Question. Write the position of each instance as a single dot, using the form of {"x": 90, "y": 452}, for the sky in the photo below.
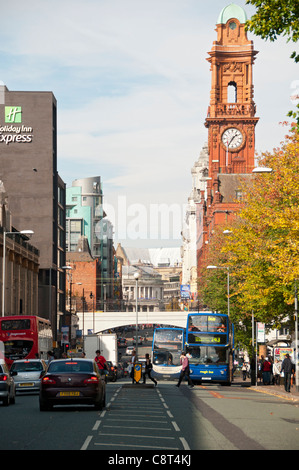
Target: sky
{"x": 132, "y": 85}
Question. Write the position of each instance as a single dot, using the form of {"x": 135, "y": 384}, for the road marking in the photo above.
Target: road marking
{"x": 135, "y": 427}
{"x": 175, "y": 426}
{"x": 96, "y": 426}
{"x": 185, "y": 444}
{"x": 135, "y": 446}
{"x": 136, "y": 435}
{"x": 86, "y": 443}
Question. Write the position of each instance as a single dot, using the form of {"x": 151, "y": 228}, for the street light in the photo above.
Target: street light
{"x": 296, "y": 339}
{"x": 136, "y": 276}
{"x": 223, "y": 267}
{"x": 23, "y": 232}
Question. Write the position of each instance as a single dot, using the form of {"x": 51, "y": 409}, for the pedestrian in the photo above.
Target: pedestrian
{"x": 287, "y": 367}
{"x": 244, "y": 370}
{"x": 185, "y": 371}
{"x": 50, "y": 356}
{"x": 266, "y": 370}
{"x": 276, "y": 372}
{"x": 148, "y": 370}
{"x": 101, "y": 362}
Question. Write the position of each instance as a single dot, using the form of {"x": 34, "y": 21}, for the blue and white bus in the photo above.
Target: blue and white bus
{"x": 168, "y": 344}
{"x": 210, "y": 347}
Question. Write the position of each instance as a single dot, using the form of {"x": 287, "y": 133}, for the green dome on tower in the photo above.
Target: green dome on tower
{"x": 232, "y": 11}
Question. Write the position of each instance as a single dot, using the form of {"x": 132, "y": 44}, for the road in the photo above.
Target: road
{"x": 162, "y": 419}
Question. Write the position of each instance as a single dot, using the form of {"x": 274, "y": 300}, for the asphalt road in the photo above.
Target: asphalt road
{"x": 164, "y": 419}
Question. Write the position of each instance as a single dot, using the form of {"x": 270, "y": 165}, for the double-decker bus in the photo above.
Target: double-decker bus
{"x": 167, "y": 347}
{"x": 210, "y": 347}
{"x": 25, "y": 337}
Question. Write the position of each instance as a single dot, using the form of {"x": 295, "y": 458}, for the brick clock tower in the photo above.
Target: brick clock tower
{"x": 230, "y": 122}
{"x": 231, "y": 117}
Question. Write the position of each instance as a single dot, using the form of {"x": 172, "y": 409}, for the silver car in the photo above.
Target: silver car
{"x": 27, "y": 374}
{"x": 7, "y": 385}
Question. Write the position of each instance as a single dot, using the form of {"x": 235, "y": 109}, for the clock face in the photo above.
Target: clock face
{"x": 232, "y": 138}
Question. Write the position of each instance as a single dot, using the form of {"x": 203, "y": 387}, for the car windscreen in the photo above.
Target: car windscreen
{"x": 27, "y": 366}
{"x": 70, "y": 366}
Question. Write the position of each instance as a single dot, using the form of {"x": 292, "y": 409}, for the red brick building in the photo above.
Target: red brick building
{"x": 84, "y": 275}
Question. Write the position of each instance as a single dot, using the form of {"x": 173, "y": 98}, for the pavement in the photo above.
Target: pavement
{"x": 277, "y": 390}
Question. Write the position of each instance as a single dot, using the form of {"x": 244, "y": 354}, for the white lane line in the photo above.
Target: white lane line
{"x": 185, "y": 444}
{"x": 134, "y": 446}
{"x": 135, "y": 435}
{"x": 136, "y": 427}
{"x": 86, "y": 443}
{"x": 96, "y": 426}
{"x": 175, "y": 426}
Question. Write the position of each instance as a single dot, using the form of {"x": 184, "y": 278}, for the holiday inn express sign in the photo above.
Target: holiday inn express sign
{"x": 12, "y": 130}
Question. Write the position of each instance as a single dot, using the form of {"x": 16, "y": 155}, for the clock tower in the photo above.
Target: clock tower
{"x": 231, "y": 117}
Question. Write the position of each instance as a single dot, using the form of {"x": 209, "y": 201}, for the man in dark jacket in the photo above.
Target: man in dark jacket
{"x": 287, "y": 367}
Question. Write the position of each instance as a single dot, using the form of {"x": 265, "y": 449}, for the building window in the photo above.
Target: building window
{"x": 232, "y": 92}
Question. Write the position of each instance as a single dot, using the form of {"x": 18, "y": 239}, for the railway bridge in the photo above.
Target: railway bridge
{"x": 95, "y": 322}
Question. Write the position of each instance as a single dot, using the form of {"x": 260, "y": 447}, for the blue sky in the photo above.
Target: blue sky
{"x": 132, "y": 85}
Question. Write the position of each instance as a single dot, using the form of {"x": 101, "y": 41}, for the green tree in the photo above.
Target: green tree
{"x": 275, "y": 18}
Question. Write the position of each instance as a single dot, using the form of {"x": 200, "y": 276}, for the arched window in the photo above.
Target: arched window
{"x": 232, "y": 92}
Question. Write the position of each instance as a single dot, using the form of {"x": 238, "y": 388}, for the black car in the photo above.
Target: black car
{"x": 7, "y": 386}
{"x": 72, "y": 381}
{"x": 111, "y": 372}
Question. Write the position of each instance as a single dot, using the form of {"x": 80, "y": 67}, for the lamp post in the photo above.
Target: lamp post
{"x": 91, "y": 296}
{"x": 296, "y": 339}
{"x": 136, "y": 276}
{"x": 224, "y": 267}
{"x": 68, "y": 269}
{"x": 23, "y": 232}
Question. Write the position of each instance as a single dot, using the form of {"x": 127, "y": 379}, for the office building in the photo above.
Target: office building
{"x": 36, "y": 193}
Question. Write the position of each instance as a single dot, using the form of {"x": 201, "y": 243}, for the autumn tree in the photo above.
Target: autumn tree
{"x": 261, "y": 247}
{"x": 264, "y": 244}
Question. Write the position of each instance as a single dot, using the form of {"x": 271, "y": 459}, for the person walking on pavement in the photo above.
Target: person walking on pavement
{"x": 185, "y": 371}
{"x": 287, "y": 367}
{"x": 148, "y": 370}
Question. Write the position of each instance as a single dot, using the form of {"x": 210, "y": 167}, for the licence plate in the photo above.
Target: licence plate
{"x": 27, "y": 384}
{"x": 69, "y": 394}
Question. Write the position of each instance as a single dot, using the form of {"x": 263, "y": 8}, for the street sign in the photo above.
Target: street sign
{"x": 260, "y": 329}
{"x": 137, "y": 372}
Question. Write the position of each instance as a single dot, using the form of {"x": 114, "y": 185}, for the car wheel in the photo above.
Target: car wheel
{"x": 98, "y": 405}
{"x": 44, "y": 406}
{"x": 6, "y": 400}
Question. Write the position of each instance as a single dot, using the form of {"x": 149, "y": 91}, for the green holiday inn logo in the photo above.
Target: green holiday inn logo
{"x": 13, "y": 114}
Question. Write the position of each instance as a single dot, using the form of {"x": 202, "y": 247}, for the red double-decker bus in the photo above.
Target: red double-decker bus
{"x": 25, "y": 337}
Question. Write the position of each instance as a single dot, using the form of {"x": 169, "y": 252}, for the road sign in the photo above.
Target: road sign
{"x": 137, "y": 371}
